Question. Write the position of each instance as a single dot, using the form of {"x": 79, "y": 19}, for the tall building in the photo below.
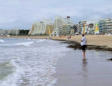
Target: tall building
{"x": 89, "y": 27}
{"x": 92, "y": 27}
{"x": 41, "y": 28}
{"x": 105, "y": 26}
{"x": 62, "y": 26}
{"x": 82, "y": 26}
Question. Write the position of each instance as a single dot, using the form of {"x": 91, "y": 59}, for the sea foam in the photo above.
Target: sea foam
{"x": 25, "y": 43}
{"x": 34, "y": 65}
{"x": 2, "y": 41}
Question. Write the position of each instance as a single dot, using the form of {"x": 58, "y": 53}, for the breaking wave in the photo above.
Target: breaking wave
{"x": 31, "y": 66}
{"x": 25, "y": 43}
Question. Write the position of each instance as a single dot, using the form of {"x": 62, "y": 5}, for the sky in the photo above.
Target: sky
{"x": 23, "y": 13}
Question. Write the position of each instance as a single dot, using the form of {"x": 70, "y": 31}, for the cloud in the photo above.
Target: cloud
{"x": 22, "y": 13}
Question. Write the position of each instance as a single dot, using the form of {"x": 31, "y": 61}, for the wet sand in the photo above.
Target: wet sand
{"x": 96, "y": 71}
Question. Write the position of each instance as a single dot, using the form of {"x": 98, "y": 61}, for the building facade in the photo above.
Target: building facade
{"x": 88, "y": 27}
{"x": 9, "y": 31}
{"x": 62, "y": 26}
{"x": 41, "y": 28}
{"x": 105, "y": 26}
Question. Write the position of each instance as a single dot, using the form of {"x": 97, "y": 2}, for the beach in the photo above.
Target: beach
{"x": 47, "y": 62}
{"x": 96, "y": 71}
{"x": 97, "y": 42}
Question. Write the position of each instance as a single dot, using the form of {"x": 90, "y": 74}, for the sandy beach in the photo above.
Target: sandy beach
{"x": 100, "y": 42}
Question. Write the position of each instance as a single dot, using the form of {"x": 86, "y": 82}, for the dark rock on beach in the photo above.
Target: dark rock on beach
{"x": 109, "y": 59}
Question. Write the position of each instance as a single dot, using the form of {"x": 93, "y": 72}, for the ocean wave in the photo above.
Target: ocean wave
{"x": 39, "y": 40}
{"x": 31, "y": 73}
{"x": 13, "y": 78}
{"x": 25, "y": 43}
{"x": 35, "y": 66}
{"x": 2, "y": 41}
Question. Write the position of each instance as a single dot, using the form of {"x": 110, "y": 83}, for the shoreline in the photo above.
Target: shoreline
{"x": 95, "y": 42}
{"x": 22, "y": 36}
{"x": 76, "y": 45}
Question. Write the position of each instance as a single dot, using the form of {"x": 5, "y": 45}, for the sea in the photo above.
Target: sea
{"x": 32, "y": 62}
{"x": 29, "y": 62}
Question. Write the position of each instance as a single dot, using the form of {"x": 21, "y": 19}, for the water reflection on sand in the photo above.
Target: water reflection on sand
{"x": 85, "y": 72}
{"x": 95, "y": 71}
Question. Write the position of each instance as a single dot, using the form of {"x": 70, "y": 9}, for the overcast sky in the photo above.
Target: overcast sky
{"x": 22, "y": 13}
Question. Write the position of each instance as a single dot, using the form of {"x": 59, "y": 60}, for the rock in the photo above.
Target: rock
{"x": 109, "y": 59}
